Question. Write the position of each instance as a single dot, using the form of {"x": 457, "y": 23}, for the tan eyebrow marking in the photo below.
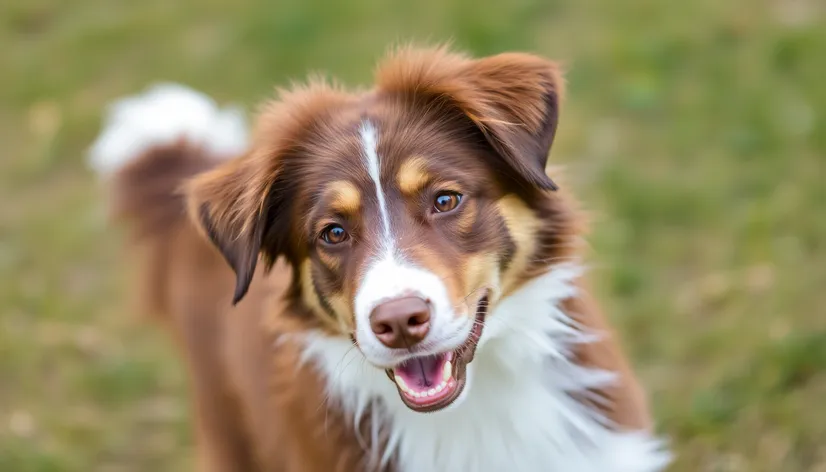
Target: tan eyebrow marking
{"x": 346, "y": 197}
{"x": 413, "y": 175}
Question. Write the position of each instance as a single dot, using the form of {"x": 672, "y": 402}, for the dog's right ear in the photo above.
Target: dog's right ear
{"x": 228, "y": 203}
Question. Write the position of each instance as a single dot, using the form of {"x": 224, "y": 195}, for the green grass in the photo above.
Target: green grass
{"x": 694, "y": 131}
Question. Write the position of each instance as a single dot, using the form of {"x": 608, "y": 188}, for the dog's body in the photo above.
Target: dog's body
{"x": 278, "y": 381}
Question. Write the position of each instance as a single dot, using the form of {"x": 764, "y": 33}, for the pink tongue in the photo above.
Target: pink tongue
{"x": 421, "y": 372}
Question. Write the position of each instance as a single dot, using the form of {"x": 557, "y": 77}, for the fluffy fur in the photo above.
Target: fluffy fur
{"x": 286, "y": 373}
{"x": 518, "y": 413}
{"x": 163, "y": 115}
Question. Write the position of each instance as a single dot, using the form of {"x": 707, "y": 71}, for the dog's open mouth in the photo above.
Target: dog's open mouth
{"x": 432, "y": 382}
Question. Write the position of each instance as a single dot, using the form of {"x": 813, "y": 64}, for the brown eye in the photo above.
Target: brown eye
{"x": 334, "y": 234}
{"x": 446, "y": 201}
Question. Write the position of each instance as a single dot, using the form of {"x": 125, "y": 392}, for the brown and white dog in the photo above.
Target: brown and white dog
{"x": 418, "y": 306}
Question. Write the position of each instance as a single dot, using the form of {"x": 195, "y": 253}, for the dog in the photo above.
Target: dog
{"x": 377, "y": 280}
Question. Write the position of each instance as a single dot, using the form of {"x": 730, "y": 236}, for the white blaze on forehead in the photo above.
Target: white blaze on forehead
{"x": 390, "y": 276}
{"x": 369, "y": 143}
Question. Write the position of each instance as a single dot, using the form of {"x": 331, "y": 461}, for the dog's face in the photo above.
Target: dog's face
{"x": 405, "y": 211}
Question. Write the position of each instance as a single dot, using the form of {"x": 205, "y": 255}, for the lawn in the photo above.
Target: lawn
{"x": 694, "y": 132}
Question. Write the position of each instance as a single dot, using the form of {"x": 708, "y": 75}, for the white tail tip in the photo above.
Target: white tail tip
{"x": 160, "y": 116}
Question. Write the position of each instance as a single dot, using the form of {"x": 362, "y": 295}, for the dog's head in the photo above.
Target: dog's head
{"x": 405, "y": 211}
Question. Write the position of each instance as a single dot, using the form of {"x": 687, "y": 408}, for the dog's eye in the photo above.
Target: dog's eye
{"x": 446, "y": 201}
{"x": 334, "y": 234}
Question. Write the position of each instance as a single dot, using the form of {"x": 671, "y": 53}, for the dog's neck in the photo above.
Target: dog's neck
{"x": 518, "y": 412}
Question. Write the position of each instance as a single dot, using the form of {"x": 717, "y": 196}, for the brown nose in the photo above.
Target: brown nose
{"x": 401, "y": 323}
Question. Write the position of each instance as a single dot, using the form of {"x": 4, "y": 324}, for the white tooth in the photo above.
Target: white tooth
{"x": 452, "y": 383}
{"x": 431, "y": 392}
{"x": 447, "y": 371}
{"x": 440, "y": 387}
{"x": 400, "y": 382}
{"x": 415, "y": 394}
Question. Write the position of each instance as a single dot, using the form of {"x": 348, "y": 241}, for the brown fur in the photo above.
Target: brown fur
{"x": 257, "y": 406}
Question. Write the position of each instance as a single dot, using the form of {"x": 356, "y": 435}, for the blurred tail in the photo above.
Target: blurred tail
{"x": 150, "y": 144}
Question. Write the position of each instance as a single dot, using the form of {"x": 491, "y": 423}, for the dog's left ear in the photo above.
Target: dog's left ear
{"x": 513, "y": 98}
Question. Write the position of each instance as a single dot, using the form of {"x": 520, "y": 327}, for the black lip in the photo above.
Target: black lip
{"x": 461, "y": 358}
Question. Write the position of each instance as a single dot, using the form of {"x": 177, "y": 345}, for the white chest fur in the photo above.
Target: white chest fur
{"x": 517, "y": 413}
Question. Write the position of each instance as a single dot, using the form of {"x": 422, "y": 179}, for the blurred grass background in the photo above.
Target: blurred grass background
{"x": 695, "y": 132}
